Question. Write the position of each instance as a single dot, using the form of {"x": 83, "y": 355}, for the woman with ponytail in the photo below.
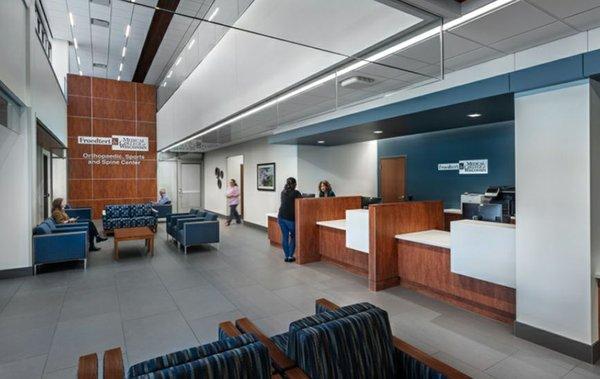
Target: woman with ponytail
{"x": 287, "y": 218}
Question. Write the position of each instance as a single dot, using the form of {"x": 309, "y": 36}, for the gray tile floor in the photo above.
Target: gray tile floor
{"x": 154, "y": 305}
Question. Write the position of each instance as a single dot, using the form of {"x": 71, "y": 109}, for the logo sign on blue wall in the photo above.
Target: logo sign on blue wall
{"x": 473, "y": 167}
{"x": 447, "y": 166}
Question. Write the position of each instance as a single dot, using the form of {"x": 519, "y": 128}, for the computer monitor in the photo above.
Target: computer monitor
{"x": 484, "y": 212}
{"x": 308, "y": 194}
{"x": 366, "y": 201}
{"x": 470, "y": 211}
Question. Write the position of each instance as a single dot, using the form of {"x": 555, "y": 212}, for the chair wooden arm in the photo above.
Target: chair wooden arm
{"x": 113, "y": 364}
{"x": 419, "y": 355}
{"x": 278, "y": 357}
{"x": 229, "y": 329}
{"x": 88, "y": 367}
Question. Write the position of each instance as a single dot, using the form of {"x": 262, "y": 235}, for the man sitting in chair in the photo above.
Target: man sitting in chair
{"x": 163, "y": 198}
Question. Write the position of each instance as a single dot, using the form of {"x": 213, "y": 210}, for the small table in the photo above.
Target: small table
{"x": 129, "y": 234}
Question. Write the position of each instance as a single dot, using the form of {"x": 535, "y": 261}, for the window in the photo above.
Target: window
{"x": 9, "y": 113}
{"x": 41, "y": 29}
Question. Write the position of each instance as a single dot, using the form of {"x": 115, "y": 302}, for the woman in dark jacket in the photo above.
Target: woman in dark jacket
{"x": 325, "y": 189}
{"x": 287, "y": 218}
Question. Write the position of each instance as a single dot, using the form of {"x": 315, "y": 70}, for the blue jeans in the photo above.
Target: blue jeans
{"x": 288, "y": 236}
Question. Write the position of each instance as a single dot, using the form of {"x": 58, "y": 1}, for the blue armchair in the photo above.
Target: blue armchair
{"x": 171, "y": 220}
{"x": 62, "y": 228}
{"x": 81, "y": 213}
{"x": 194, "y": 233}
{"x": 163, "y": 210}
{"x": 58, "y": 246}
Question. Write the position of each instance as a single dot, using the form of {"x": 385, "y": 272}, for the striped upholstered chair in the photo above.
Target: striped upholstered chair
{"x": 234, "y": 356}
{"x": 348, "y": 342}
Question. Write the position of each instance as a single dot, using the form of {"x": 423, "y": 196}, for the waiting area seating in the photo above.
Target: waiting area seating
{"x": 354, "y": 341}
{"x": 54, "y": 243}
{"x": 235, "y": 355}
{"x": 162, "y": 210}
{"x": 193, "y": 228}
{"x": 82, "y": 214}
{"x": 128, "y": 216}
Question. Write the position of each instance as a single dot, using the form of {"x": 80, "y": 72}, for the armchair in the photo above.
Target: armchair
{"x": 234, "y": 356}
{"x": 194, "y": 233}
{"x": 60, "y": 246}
{"x": 62, "y": 228}
{"x": 163, "y": 209}
{"x": 82, "y": 213}
{"x": 171, "y": 220}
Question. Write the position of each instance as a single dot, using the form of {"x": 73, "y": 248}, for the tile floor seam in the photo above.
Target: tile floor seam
{"x": 62, "y": 303}
{"x": 122, "y": 331}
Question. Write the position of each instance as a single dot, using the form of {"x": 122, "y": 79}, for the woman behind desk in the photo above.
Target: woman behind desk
{"x": 60, "y": 217}
{"x": 325, "y": 189}
{"x": 287, "y": 218}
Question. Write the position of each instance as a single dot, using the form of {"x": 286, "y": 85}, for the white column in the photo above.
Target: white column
{"x": 556, "y": 222}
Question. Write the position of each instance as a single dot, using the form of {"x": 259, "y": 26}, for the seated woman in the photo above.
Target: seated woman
{"x": 325, "y": 189}
{"x": 60, "y": 217}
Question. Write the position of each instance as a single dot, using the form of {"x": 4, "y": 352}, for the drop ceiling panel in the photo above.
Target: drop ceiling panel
{"x": 565, "y": 8}
{"x": 535, "y": 37}
{"x": 471, "y": 58}
{"x": 586, "y": 20}
{"x": 507, "y": 22}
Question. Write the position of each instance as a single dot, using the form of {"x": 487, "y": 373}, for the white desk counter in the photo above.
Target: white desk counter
{"x": 334, "y": 224}
{"x": 357, "y": 229}
{"x": 455, "y": 211}
{"x": 438, "y": 238}
{"x": 273, "y": 214}
{"x": 484, "y": 250}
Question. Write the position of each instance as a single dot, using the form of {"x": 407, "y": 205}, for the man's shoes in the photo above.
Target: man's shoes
{"x": 94, "y": 248}
{"x": 100, "y": 239}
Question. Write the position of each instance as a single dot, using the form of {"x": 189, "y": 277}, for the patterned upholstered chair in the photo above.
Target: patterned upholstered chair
{"x": 128, "y": 216}
{"x": 348, "y": 342}
{"x": 234, "y": 356}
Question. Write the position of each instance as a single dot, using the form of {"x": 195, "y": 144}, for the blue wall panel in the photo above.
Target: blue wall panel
{"x": 424, "y": 151}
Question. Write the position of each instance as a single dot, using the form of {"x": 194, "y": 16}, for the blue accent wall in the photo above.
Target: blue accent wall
{"x": 423, "y": 152}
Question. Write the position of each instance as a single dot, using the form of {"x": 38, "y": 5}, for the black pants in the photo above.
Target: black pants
{"x": 234, "y": 213}
{"x": 92, "y": 232}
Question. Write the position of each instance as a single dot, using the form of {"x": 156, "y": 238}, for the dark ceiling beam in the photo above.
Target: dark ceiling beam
{"x": 158, "y": 27}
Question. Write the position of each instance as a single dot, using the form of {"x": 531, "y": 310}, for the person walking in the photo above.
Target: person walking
{"x": 233, "y": 199}
{"x": 287, "y": 218}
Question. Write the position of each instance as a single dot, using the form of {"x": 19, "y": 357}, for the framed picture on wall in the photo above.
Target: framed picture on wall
{"x": 265, "y": 176}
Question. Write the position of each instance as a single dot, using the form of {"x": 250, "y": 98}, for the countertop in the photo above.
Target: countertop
{"x": 273, "y": 214}
{"x": 455, "y": 211}
{"x": 334, "y": 224}
{"x": 431, "y": 237}
{"x": 486, "y": 223}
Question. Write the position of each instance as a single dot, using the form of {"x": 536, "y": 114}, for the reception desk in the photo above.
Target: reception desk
{"x": 273, "y": 230}
{"x": 333, "y": 242}
{"x": 471, "y": 267}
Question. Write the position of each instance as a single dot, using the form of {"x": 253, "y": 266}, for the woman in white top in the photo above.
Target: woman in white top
{"x": 233, "y": 199}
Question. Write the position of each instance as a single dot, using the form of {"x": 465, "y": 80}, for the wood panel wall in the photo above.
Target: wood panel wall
{"x": 426, "y": 269}
{"x": 388, "y": 220}
{"x": 311, "y": 210}
{"x": 102, "y": 108}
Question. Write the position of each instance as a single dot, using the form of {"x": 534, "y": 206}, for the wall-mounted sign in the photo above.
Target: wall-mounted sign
{"x": 473, "y": 167}
{"x": 447, "y": 166}
{"x": 113, "y": 159}
{"x": 124, "y": 143}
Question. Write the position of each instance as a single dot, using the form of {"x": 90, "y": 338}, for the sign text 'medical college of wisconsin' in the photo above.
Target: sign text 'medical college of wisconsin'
{"x": 119, "y": 143}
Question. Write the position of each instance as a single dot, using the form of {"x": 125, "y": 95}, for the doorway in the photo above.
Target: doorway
{"x": 46, "y": 183}
{"x": 189, "y": 191}
{"x": 392, "y": 179}
{"x": 235, "y": 171}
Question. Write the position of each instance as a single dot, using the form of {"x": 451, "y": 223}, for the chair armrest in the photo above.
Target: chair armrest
{"x": 82, "y": 213}
{"x": 88, "y": 367}
{"x": 228, "y": 328}
{"x": 113, "y": 364}
{"x": 434, "y": 363}
{"x": 70, "y": 229}
{"x": 73, "y": 224}
{"x": 278, "y": 357}
{"x": 182, "y": 220}
{"x": 326, "y": 304}
{"x": 154, "y": 212}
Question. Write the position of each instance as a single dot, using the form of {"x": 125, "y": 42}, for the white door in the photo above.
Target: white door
{"x": 189, "y": 186}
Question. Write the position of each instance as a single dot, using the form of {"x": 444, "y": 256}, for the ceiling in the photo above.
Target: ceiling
{"x": 516, "y": 27}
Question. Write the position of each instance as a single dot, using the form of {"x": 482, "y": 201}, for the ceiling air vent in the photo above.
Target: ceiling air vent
{"x": 357, "y": 82}
{"x": 100, "y": 65}
{"x": 106, "y": 3}
{"x": 98, "y": 22}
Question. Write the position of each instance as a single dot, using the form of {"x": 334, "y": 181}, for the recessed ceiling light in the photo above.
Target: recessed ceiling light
{"x": 127, "y": 30}
{"x": 71, "y": 19}
{"x": 191, "y": 43}
{"x": 75, "y": 43}
{"x": 213, "y": 14}
{"x": 120, "y": 66}
{"x": 124, "y": 51}
{"x": 80, "y": 73}
{"x": 178, "y": 61}
{"x": 474, "y": 115}
{"x": 320, "y": 141}
{"x": 78, "y": 61}
{"x": 99, "y": 22}
{"x": 378, "y": 131}
{"x": 170, "y": 73}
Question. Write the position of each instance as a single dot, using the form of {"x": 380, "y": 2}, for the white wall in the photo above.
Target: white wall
{"x": 350, "y": 169}
{"x": 167, "y": 179}
{"x": 553, "y": 233}
{"x": 232, "y": 170}
{"x": 59, "y": 177}
{"x": 60, "y": 61}
{"x": 13, "y": 45}
{"x": 256, "y": 203}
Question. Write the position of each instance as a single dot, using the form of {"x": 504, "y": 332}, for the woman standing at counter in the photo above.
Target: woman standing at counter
{"x": 287, "y": 218}
{"x": 325, "y": 189}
